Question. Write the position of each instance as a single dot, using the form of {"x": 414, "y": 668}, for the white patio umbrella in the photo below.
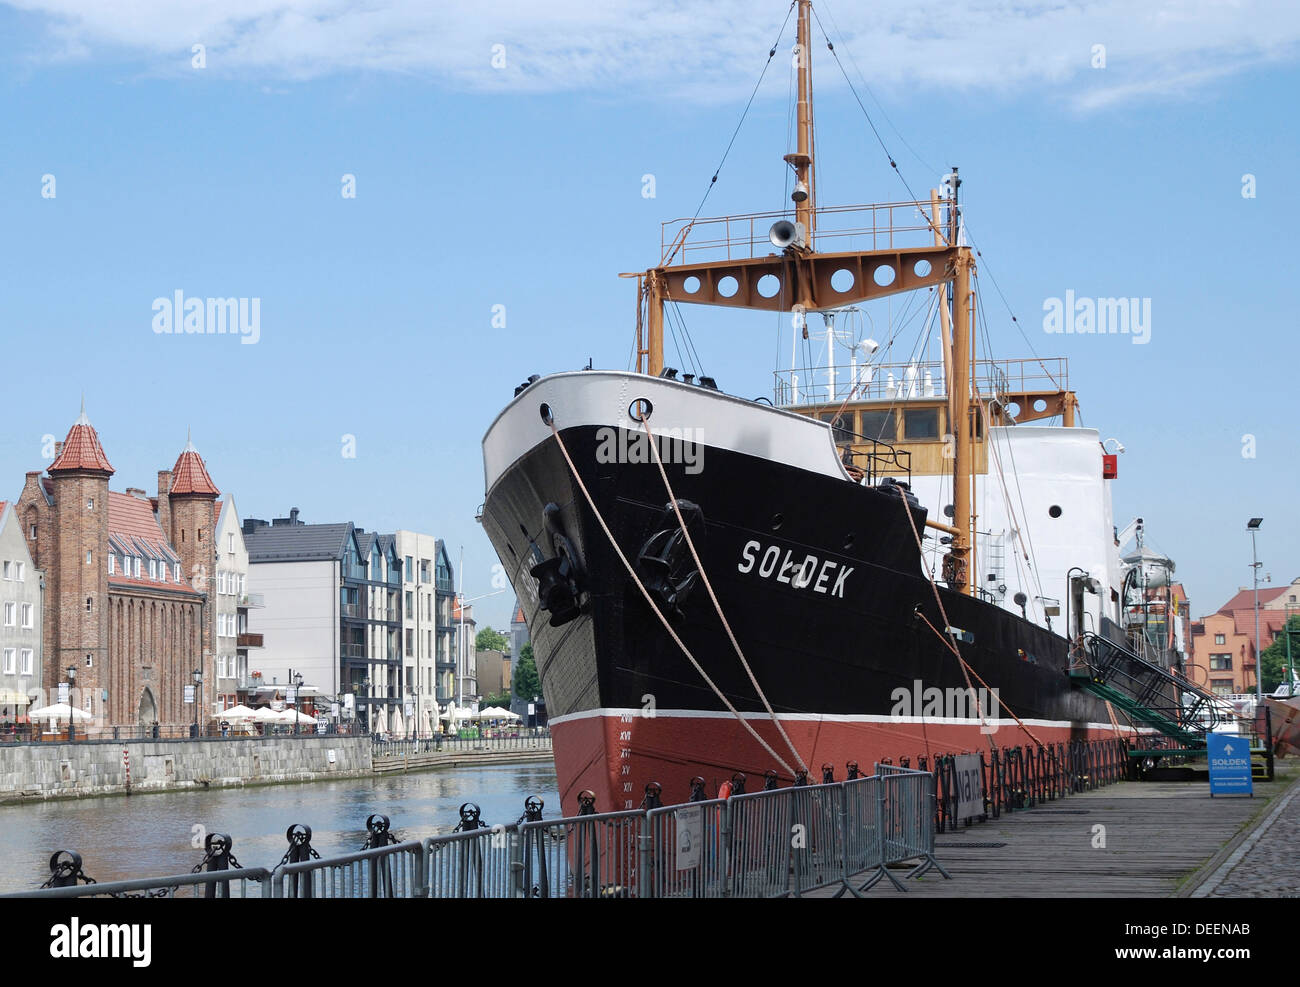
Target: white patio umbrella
{"x": 265, "y": 714}
{"x": 287, "y": 716}
{"x": 498, "y": 713}
{"x": 240, "y": 712}
{"x": 59, "y": 711}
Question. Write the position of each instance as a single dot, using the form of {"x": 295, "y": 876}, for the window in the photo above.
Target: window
{"x": 410, "y": 569}
{"x": 90, "y": 661}
{"x": 20, "y": 569}
{"x": 89, "y": 557}
{"x": 27, "y": 616}
{"x": 177, "y": 572}
{"x": 90, "y": 503}
{"x": 841, "y": 425}
{"x": 8, "y": 569}
{"x": 410, "y": 604}
{"x": 10, "y": 610}
{"x": 1221, "y": 663}
{"x": 230, "y": 543}
{"x": 31, "y": 532}
{"x": 1221, "y": 687}
{"x": 879, "y": 425}
{"x": 241, "y": 584}
{"x": 26, "y": 667}
{"x": 112, "y": 563}
{"x": 90, "y": 604}
{"x": 424, "y": 570}
{"x": 200, "y": 534}
{"x": 137, "y": 567}
{"x": 153, "y": 569}
{"x": 920, "y": 423}
{"x": 9, "y": 661}
{"x": 221, "y": 581}
{"x": 1218, "y": 639}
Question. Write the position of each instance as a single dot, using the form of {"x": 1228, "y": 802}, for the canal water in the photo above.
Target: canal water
{"x": 154, "y": 834}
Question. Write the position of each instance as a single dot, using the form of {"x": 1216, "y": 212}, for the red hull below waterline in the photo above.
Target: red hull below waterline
{"x": 616, "y": 755}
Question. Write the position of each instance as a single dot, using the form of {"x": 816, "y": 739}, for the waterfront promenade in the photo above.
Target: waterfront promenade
{"x": 1132, "y": 840}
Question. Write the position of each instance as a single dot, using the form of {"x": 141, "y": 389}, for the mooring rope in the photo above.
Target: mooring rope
{"x": 699, "y": 567}
{"x": 650, "y": 600}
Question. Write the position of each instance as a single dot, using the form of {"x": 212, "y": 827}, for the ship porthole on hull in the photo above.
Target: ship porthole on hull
{"x": 1054, "y": 510}
{"x": 640, "y": 409}
{"x": 848, "y": 542}
{"x": 777, "y": 521}
{"x": 545, "y": 411}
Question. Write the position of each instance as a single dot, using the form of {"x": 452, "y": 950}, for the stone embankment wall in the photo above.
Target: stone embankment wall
{"x": 55, "y": 770}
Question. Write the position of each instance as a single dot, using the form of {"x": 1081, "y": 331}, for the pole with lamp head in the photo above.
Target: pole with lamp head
{"x": 198, "y": 682}
{"x": 297, "y": 699}
{"x": 72, "y": 682}
{"x": 1253, "y": 526}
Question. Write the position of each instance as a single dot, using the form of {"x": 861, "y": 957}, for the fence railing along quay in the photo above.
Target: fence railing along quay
{"x": 540, "y": 741}
{"x": 844, "y": 837}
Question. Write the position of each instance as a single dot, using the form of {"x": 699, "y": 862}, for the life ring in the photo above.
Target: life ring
{"x": 724, "y": 790}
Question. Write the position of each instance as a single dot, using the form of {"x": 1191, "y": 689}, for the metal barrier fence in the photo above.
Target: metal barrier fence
{"x": 785, "y": 842}
{"x": 453, "y": 745}
{"x": 395, "y": 871}
{"x": 595, "y": 856}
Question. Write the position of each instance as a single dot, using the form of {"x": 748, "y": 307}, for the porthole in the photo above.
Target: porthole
{"x": 1054, "y": 511}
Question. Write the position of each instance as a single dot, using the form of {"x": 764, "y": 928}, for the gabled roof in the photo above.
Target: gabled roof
{"x": 133, "y": 530}
{"x": 1245, "y": 599}
{"x": 81, "y": 449}
{"x": 518, "y": 618}
{"x": 297, "y": 542}
{"x": 190, "y": 475}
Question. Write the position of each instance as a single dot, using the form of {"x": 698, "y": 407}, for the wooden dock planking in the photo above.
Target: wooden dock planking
{"x": 1157, "y": 834}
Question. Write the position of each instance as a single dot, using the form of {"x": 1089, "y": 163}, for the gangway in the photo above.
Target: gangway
{"x": 1157, "y": 697}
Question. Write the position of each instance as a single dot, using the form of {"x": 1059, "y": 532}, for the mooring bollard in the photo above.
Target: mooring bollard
{"x": 379, "y": 830}
{"x": 851, "y": 771}
{"x": 216, "y": 856}
{"x": 828, "y": 774}
{"x": 769, "y": 780}
{"x": 470, "y": 821}
{"x": 652, "y": 799}
{"x": 800, "y": 779}
{"x": 738, "y": 783}
{"x": 299, "y": 852}
{"x": 533, "y": 850}
{"x": 65, "y": 870}
{"x": 697, "y": 790}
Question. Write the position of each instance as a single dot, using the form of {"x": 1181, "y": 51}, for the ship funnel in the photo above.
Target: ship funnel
{"x": 784, "y": 233}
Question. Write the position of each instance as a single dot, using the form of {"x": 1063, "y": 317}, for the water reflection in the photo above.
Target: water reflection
{"x": 152, "y": 834}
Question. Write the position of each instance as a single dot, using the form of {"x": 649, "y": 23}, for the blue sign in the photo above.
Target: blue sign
{"x": 1229, "y": 764}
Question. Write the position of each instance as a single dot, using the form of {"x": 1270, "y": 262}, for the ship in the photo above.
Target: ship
{"x": 885, "y": 559}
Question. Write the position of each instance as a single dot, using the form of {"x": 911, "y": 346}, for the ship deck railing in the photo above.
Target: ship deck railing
{"x": 919, "y": 380}
{"x": 840, "y": 229}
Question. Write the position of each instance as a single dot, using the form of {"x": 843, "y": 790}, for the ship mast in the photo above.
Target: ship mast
{"x": 804, "y": 277}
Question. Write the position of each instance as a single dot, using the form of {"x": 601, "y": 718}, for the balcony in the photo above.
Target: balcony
{"x": 249, "y": 641}
{"x": 251, "y": 601}
{"x": 355, "y": 611}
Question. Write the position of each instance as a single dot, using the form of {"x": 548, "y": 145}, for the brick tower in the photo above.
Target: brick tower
{"x": 187, "y": 512}
{"x": 74, "y": 549}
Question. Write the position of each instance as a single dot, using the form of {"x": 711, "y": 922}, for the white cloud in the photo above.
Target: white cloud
{"x": 709, "y": 49}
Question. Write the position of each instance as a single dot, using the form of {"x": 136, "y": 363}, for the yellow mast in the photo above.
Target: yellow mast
{"x": 805, "y": 277}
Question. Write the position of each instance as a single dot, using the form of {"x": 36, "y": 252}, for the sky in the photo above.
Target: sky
{"x": 500, "y": 153}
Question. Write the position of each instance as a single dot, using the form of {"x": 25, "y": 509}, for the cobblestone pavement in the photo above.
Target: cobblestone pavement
{"x": 1271, "y": 868}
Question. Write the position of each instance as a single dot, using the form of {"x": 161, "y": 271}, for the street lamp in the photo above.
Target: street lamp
{"x": 365, "y": 692}
{"x": 72, "y": 681}
{"x": 1253, "y": 526}
{"x": 297, "y": 700}
{"x": 198, "y": 682}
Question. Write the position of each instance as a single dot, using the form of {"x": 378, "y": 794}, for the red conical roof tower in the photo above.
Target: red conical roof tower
{"x": 190, "y": 475}
{"x": 81, "y": 449}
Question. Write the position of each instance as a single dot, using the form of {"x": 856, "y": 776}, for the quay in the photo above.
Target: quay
{"x": 32, "y": 772}
{"x": 1134, "y": 839}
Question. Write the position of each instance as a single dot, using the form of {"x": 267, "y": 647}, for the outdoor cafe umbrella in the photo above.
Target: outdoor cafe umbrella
{"x": 59, "y": 711}
{"x": 240, "y": 712}
{"x": 497, "y": 713}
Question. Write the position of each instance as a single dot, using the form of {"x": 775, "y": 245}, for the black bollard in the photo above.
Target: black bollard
{"x": 379, "y": 834}
{"x": 653, "y": 796}
{"x": 769, "y": 781}
{"x": 300, "y": 851}
{"x": 697, "y": 790}
{"x": 828, "y": 774}
{"x": 65, "y": 870}
{"x": 851, "y": 770}
{"x": 738, "y": 783}
{"x": 800, "y": 779}
{"x": 217, "y": 856}
{"x": 534, "y": 854}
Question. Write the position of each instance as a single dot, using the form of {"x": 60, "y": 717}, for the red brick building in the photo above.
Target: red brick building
{"x": 1224, "y": 642}
{"x": 126, "y": 579}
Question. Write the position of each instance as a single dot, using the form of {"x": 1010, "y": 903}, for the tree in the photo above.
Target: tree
{"x": 501, "y": 699}
{"x": 490, "y": 640}
{"x": 524, "y": 674}
{"x": 1273, "y": 658}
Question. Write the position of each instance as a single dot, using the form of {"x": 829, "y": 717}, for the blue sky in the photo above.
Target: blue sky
{"x": 522, "y": 186}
